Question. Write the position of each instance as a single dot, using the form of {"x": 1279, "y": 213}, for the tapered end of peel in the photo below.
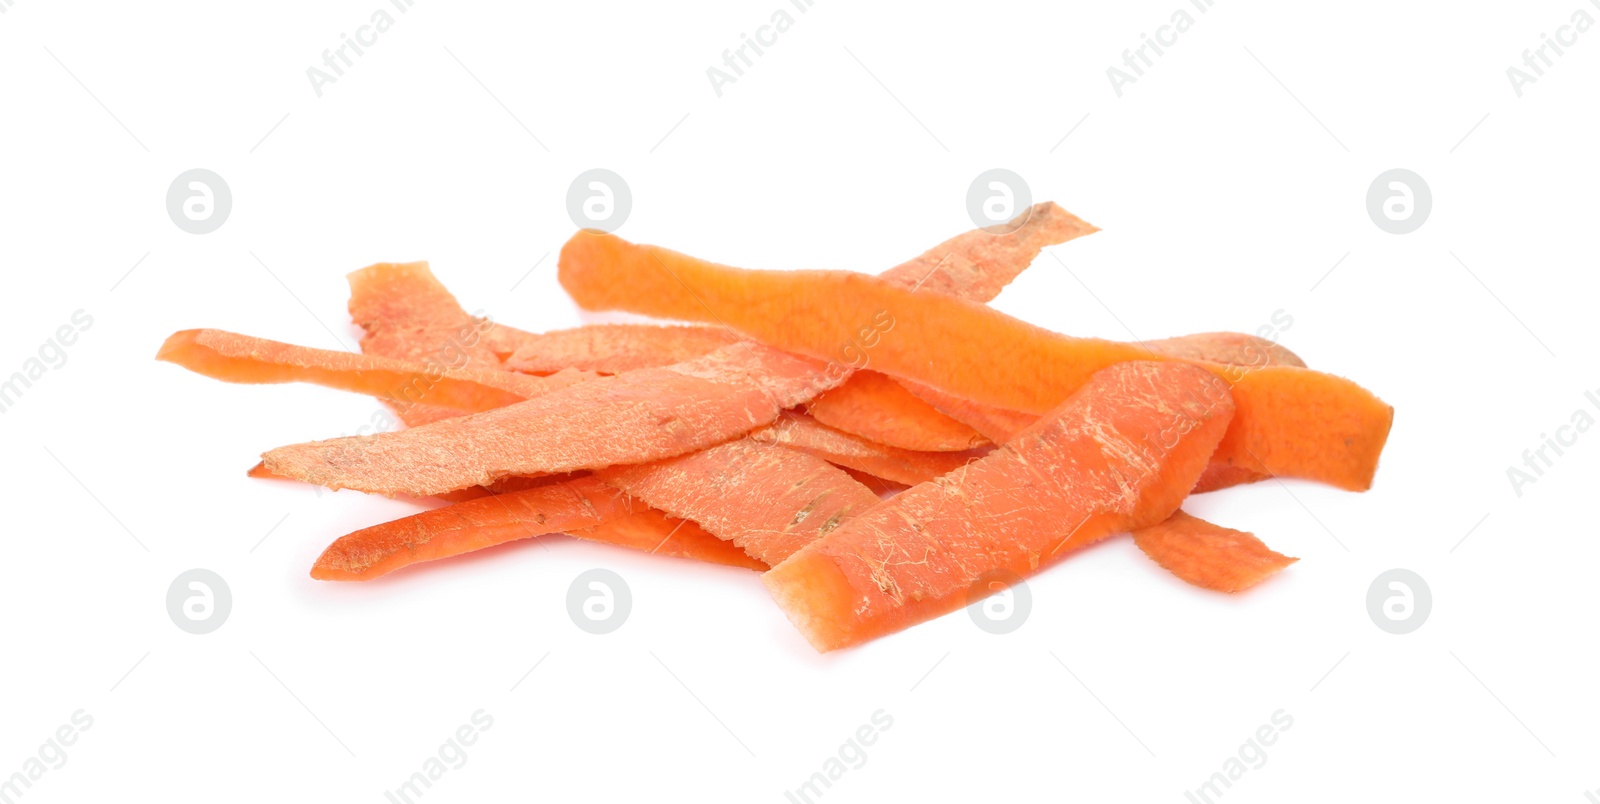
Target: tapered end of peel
{"x": 176, "y": 344}
{"x": 816, "y": 597}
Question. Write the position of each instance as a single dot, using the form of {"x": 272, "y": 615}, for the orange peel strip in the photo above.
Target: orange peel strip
{"x": 902, "y": 466}
{"x": 616, "y": 348}
{"x": 232, "y": 357}
{"x": 877, "y": 408}
{"x": 1101, "y": 463}
{"x": 1209, "y": 556}
{"x": 652, "y": 531}
{"x": 467, "y": 526}
{"x": 768, "y": 500}
{"x": 1291, "y": 422}
{"x": 642, "y": 415}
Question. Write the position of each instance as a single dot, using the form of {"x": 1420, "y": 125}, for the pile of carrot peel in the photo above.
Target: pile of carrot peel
{"x": 879, "y": 447}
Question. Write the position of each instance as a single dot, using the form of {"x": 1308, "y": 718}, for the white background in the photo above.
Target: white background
{"x": 850, "y": 144}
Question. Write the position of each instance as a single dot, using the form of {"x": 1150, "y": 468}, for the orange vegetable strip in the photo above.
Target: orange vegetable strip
{"x": 643, "y": 415}
{"x": 1235, "y": 349}
{"x": 768, "y": 500}
{"x": 232, "y": 357}
{"x": 418, "y": 415}
{"x": 654, "y": 532}
{"x": 1226, "y": 347}
{"x": 1209, "y": 556}
{"x": 910, "y": 468}
{"x": 616, "y": 348}
{"x": 581, "y": 506}
{"x": 906, "y": 467}
{"x": 974, "y": 265}
{"x": 875, "y": 407}
{"x": 977, "y": 264}
{"x": 978, "y": 271}
{"x": 473, "y": 525}
{"x": 1291, "y": 421}
{"x": 261, "y": 472}
{"x": 994, "y": 423}
{"x": 1219, "y": 476}
{"x": 1000, "y": 424}
{"x": 879, "y": 486}
{"x": 407, "y": 314}
{"x": 1109, "y": 459}
{"x": 501, "y": 486}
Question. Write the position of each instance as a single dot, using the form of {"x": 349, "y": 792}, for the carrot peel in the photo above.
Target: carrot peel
{"x": 1120, "y": 454}
{"x": 1291, "y": 421}
{"x": 1209, "y": 556}
{"x": 232, "y": 357}
{"x": 642, "y": 415}
{"x": 766, "y": 499}
{"x": 467, "y": 526}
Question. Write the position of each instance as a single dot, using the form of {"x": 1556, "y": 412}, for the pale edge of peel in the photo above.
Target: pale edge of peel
{"x": 810, "y": 589}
